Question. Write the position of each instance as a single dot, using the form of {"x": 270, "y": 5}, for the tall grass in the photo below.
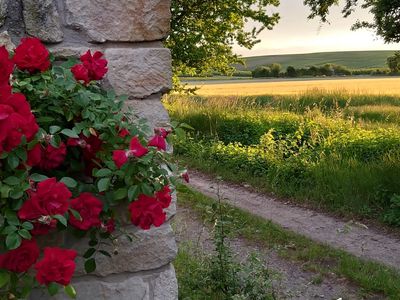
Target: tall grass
{"x": 309, "y": 148}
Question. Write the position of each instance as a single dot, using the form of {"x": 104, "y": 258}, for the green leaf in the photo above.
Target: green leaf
{"x": 53, "y": 288}
{"x": 105, "y": 253}
{"x": 27, "y": 225}
{"x": 90, "y": 265}
{"x": 5, "y": 191}
{"x": 70, "y": 291}
{"x": 61, "y": 219}
{"x": 16, "y": 194}
{"x": 54, "y": 129}
{"x": 89, "y": 252}
{"x": 93, "y": 243}
{"x": 4, "y": 278}
{"x": 103, "y": 184}
{"x": 103, "y": 173}
{"x": 76, "y": 214}
{"x": 13, "y": 160}
{"x": 70, "y": 133}
{"x": 21, "y": 153}
{"x": 12, "y": 180}
{"x": 13, "y": 241}
{"x": 24, "y": 234}
{"x": 11, "y": 217}
{"x": 9, "y": 229}
{"x": 38, "y": 177}
{"x": 120, "y": 194}
{"x": 146, "y": 189}
{"x": 69, "y": 182}
{"x": 133, "y": 192}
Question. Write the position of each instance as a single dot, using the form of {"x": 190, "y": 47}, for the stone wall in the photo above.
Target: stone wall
{"x": 130, "y": 33}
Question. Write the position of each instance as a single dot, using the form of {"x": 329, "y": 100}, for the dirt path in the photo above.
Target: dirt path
{"x": 356, "y": 239}
{"x": 289, "y": 281}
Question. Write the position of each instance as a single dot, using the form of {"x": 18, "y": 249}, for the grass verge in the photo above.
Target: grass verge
{"x": 371, "y": 277}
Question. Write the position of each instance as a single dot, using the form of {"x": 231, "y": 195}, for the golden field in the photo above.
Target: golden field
{"x": 372, "y": 86}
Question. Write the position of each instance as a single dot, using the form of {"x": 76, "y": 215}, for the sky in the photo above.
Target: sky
{"x": 296, "y": 34}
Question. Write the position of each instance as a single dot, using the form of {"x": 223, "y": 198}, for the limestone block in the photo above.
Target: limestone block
{"x": 128, "y": 287}
{"x": 123, "y": 20}
{"x": 3, "y": 11}
{"x": 166, "y": 285}
{"x": 5, "y": 40}
{"x": 150, "y": 109}
{"x": 150, "y": 249}
{"x": 159, "y": 284}
{"x": 42, "y": 20}
{"x": 139, "y": 72}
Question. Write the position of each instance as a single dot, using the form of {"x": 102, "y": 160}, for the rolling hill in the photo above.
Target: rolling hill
{"x": 351, "y": 59}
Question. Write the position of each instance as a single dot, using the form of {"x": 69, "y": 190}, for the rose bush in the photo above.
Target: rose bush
{"x": 69, "y": 156}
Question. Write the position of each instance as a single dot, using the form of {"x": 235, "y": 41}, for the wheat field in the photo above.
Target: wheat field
{"x": 372, "y": 86}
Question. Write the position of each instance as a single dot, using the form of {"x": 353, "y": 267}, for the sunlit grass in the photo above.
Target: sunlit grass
{"x": 375, "y": 86}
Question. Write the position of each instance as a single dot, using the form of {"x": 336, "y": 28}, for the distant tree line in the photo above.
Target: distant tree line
{"x": 326, "y": 70}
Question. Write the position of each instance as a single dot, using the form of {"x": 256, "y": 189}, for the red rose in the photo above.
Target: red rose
{"x": 159, "y": 142}
{"x": 89, "y": 207}
{"x": 120, "y": 157}
{"x": 34, "y": 156}
{"x": 136, "y": 149}
{"x": 21, "y": 259}
{"x": 32, "y": 55}
{"x": 93, "y": 67}
{"x": 43, "y": 226}
{"x": 16, "y": 120}
{"x": 123, "y": 133}
{"x": 49, "y": 199}
{"x": 81, "y": 73}
{"x": 147, "y": 211}
{"x": 52, "y": 157}
{"x": 109, "y": 226}
{"x": 90, "y": 147}
{"x": 57, "y": 265}
{"x": 164, "y": 196}
{"x": 185, "y": 177}
{"x": 96, "y": 66}
{"x": 6, "y": 66}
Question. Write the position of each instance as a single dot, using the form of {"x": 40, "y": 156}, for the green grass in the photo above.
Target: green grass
{"x": 369, "y": 276}
{"x": 190, "y": 270}
{"x": 334, "y": 151}
{"x": 350, "y": 59}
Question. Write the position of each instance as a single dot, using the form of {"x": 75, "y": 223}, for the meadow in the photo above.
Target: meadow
{"x": 370, "y": 86}
{"x": 336, "y": 150}
{"x": 351, "y": 59}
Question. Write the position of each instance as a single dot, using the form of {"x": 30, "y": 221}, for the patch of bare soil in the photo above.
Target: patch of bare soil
{"x": 289, "y": 280}
{"x": 352, "y": 237}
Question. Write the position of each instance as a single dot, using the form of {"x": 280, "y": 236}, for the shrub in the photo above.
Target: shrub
{"x": 68, "y": 157}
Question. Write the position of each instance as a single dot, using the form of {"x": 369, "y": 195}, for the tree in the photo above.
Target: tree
{"x": 275, "y": 69}
{"x": 203, "y": 32}
{"x": 386, "y": 14}
{"x": 291, "y": 71}
{"x": 393, "y": 62}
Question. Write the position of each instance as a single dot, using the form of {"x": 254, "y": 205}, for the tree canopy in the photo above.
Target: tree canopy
{"x": 386, "y": 22}
{"x": 204, "y": 31}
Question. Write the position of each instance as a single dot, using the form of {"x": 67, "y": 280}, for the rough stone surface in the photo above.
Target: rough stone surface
{"x": 3, "y": 11}
{"x": 123, "y": 20}
{"x": 157, "y": 284}
{"x": 5, "y": 40}
{"x": 150, "y": 109}
{"x": 165, "y": 285}
{"x": 42, "y": 20}
{"x": 139, "y": 72}
{"x": 150, "y": 249}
